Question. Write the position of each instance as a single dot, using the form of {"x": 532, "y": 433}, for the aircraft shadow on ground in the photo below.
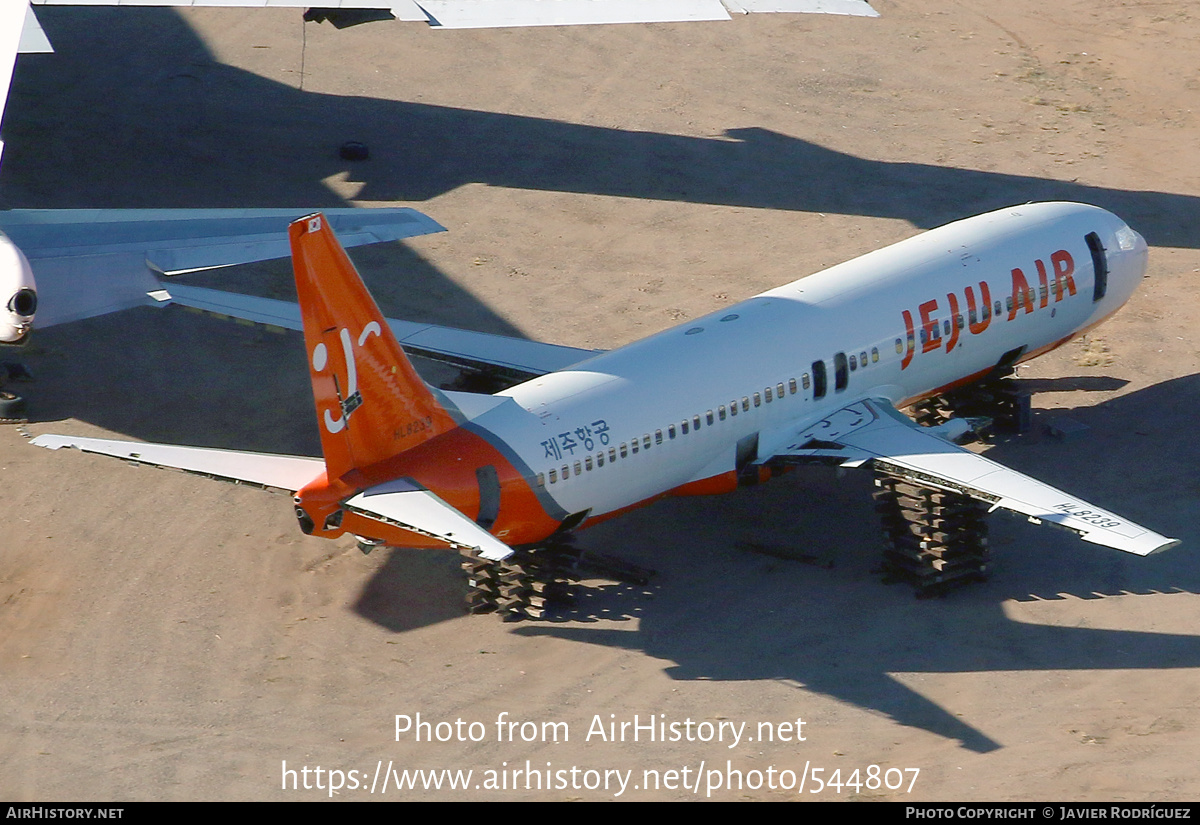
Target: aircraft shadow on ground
{"x": 259, "y": 142}
{"x": 832, "y": 627}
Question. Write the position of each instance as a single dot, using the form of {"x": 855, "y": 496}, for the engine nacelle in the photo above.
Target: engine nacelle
{"x": 18, "y": 293}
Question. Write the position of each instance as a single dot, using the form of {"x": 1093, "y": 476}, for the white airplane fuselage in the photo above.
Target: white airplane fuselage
{"x": 915, "y": 310}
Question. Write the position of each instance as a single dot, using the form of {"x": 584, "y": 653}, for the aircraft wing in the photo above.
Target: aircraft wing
{"x": 20, "y": 32}
{"x": 474, "y": 14}
{"x": 460, "y": 347}
{"x": 874, "y": 430}
{"x": 399, "y": 502}
{"x": 90, "y": 262}
{"x": 460, "y": 14}
{"x": 284, "y": 472}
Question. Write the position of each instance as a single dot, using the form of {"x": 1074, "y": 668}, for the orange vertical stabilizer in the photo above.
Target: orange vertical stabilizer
{"x": 371, "y": 404}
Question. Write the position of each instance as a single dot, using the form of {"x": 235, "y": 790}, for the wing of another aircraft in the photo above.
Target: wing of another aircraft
{"x": 20, "y": 32}
{"x": 874, "y": 430}
{"x": 474, "y": 14}
{"x": 90, "y": 262}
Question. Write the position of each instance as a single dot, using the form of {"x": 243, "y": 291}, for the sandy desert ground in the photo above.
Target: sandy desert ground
{"x": 166, "y": 637}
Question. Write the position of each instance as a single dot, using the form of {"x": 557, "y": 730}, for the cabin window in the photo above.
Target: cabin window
{"x": 587, "y": 464}
{"x": 792, "y": 385}
{"x": 818, "y": 369}
{"x": 767, "y": 393}
{"x": 757, "y": 400}
{"x": 612, "y": 454}
{"x": 804, "y": 382}
{"x": 733, "y": 407}
{"x": 721, "y": 412}
{"x": 624, "y": 451}
{"x": 599, "y": 459}
{"x": 999, "y": 307}
{"x": 553, "y": 476}
{"x": 671, "y": 431}
{"x": 578, "y": 468}
{"x": 779, "y": 390}
{"x": 683, "y": 425}
{"x": 566, "y": 471}
{"x": 745, "y": 403}
{"x": 972, "y": 316}
{"x": 646, "y": 442}
{"x": 1008, "y": 303}
{"x": 696, "y": 422}
{"x": 853, "y": 363}
{"x": 634, "y": 446}
{"x": 658, "y": 439}
{"x": 841, "y": 375}
{"x": 899, "y": 346}
{"x": 709, "y": 416}
{"x": 541, "y": 479}
{"x": 874, "y": 355}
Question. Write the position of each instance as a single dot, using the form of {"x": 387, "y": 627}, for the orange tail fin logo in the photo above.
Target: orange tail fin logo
{"x": 371, "y": 403}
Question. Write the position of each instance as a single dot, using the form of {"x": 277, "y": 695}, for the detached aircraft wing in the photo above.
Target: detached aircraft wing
{"x": 874, "y": 430}
{"x": 475, "y": 14}
{"x": 90, "y": 262}
{"x": 20, "y": 32}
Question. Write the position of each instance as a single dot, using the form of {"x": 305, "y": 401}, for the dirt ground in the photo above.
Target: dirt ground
{"x": 166, "y": 637}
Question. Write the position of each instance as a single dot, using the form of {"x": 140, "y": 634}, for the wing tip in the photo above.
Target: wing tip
{"x": 1167, "y": 544}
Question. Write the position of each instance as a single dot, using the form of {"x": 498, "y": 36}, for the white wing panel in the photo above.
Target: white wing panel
{"x": 458, "y": 346}
{"x": 874, "y": 429}
{"x": 282, "y": 471}
{"x": 477, "y": 14}
{"x": 33, "y": 38}
{"x": 13, "y": 22}
{"x": 856, "y": 8}
{"x": 492, "y": 13}
{"x": 421, "y": 511}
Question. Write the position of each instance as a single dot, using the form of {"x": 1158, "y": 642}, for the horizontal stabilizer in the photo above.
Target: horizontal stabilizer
{"x": 875, "y": 430}
{"x": 462, "y": 348}
{"x": 281, "y": 471}
{"x": 414, "y": 508}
